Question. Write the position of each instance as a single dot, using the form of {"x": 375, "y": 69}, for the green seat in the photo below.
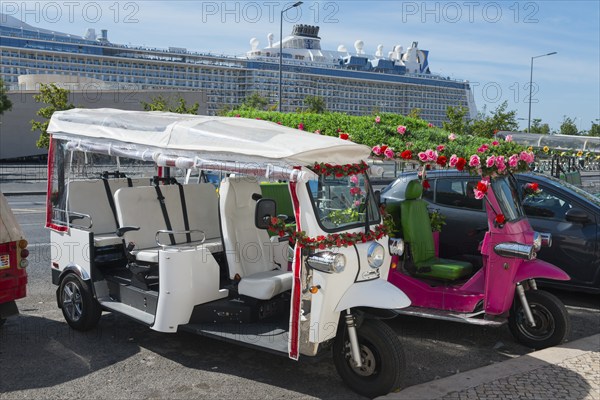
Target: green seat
{"x": 416, "y": 230}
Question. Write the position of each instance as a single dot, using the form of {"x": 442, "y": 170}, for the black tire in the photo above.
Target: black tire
{"x": 383, "y": 359}
{"x": 552, "y": 320}
{"x": 79, "y": 307}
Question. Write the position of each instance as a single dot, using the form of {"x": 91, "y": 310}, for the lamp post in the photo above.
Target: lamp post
{"x": 281, "y": 46}
{"x": 531, "y": 87}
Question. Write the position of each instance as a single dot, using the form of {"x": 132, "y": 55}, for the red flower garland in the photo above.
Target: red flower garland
{"x": 321, "y": 242}
{"x": 339, "y": 171}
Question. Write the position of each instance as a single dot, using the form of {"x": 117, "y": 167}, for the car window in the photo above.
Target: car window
{"x": 457, "y": 192}
{"x": 546, "y": 205}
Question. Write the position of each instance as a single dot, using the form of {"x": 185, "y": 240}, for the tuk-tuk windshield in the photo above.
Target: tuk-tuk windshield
{"x": 505, "y": 189}
{"x": 343, "y": 203}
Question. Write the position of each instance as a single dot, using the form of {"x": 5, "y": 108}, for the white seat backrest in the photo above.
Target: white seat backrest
{"x": 140, "y": 207}
{"x": 89, "y": 197}
{"x": 245, "y": 244}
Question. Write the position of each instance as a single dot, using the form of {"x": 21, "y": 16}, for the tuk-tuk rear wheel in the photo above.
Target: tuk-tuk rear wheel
{"x": 79, "y": 307}
{"x": 552, "y": 324}
{"x": 382, "y": 358}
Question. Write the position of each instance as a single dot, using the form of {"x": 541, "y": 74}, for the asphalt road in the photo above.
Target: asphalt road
{"x": 41, "y": 357}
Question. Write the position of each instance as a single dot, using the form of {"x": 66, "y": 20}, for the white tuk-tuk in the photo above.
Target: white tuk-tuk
{"x": 177, "y": 253}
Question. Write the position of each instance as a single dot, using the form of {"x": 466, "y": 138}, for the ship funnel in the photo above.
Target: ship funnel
{"x": 90, "y": 34}
{"x": 379, "y": 52}
{"x": 104, "y": 35}
{"x": 254, "y": 43}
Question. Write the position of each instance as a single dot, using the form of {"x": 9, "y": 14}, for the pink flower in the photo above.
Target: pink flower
{"x": 478, "y": 194}
{"x": 508, "y": 138}
{"x": 453, "y": 160}
{"x": 495, "y": 143}
{"x": 376, "y": 150}
{"x": 318, "y": 132}
{"x": 431, "y": 155}
{"x": 422, "y": 156}
{"x": 377, "y": 119}
{"x": 483, "y": 148}
{"x": 501, "y": 167}
{"x": 354, "y": 179}
{"x": 356, "y": 203}
{"x": 527, "y": 157}
{"x": 451, "y": 136}
{"x": 490, "y": 162}
{"x": 389, "y": 153}
{"x": 401, "y": 129}
{"x": 301, "y": 126}
{"x": 474, "y": 161}
{"x": 430, "y": 125}
{"x": 237, "y": 115}
{"x": 441, "y": 147}
{"x": 513, "y": 160}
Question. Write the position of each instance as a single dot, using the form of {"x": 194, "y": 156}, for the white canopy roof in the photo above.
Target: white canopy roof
{"x": 207, "y": 137}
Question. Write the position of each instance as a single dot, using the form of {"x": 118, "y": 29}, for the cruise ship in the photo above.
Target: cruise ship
{"x": 350, "y": 80}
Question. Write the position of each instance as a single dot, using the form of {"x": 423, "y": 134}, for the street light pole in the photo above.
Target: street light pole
{"x": 281, "y": 46}
{"x": 531, "y": 87}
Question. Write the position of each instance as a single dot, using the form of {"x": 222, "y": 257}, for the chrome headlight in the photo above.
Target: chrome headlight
{"x": 546, "y": 239}
{"x": 516, "y": 250}
{"x": 327, "y": 261}
{"x": 537, "y": 241}
{"x": 396, "y": 247}
{"x": 375, "y": 255}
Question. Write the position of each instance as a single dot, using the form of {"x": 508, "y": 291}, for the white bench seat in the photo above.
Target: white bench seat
{"x": 265, "y": 285}
{"x": 140, "y": 207}
{"x": 151, "y": 255}
{"x": 108, "y": 239}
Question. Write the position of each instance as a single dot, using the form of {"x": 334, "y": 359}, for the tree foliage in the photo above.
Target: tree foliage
{"x": 458, "y": 120}
{"x": 256, "y": 101}
{"x": 595, "y": 129}
{"x": 179, "y": 105}
{"x": 315, "y": 104}
{"x": 538, "y": 127}
{"x": 57, "y": 99}
{"x": 484, "y": 125}
{"x": 5, "y": 103}
{"x": 568, "y": 127}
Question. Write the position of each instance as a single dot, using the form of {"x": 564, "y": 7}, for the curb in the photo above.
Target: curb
{"x": 470, "y": 379}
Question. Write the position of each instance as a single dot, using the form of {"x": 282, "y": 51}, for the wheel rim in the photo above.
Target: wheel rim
{"x": 369, "y": 358}
{"x": 544, "y": 323}
{"x": 72, "y": 303}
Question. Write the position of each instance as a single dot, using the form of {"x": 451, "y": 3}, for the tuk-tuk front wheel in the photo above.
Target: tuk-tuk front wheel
{"x": 79, "y": 307}
{"x": 552, "y": 324}
{"x": 381, "y": 355}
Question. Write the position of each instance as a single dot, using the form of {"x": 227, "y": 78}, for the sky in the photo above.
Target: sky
{"x": 488, "y": 43}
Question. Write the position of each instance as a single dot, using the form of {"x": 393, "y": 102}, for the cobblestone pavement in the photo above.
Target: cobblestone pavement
{"x": 575, "y": 378}
{"x": 570, "y": 371}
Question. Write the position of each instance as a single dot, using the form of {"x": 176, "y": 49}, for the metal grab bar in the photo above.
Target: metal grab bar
{"x": 168, "y": 232}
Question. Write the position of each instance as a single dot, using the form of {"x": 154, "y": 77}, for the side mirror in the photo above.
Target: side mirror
{"x": 577, "y": 215}
{"x": 265, "y": 209}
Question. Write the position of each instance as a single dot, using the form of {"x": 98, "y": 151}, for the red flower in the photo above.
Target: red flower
{"x": 482, "y": 187}
{"x": 301, "y": 126}
{"x": 274, "y": 220}
{"x": 383, "y": 148}
{"x": 406, "y": 154}
{"x": 533, "y": 186}
{"x": 338, "y": 130}
{"x": 442, "y": 160}
{"x": 460, "y": 164}
{"x": 237, "y": 115}
{"x": 339, "y": 174}
{"x": 344, "y": 136}
{"x": 500, "y": 219}
{"x": 426, "y": 184}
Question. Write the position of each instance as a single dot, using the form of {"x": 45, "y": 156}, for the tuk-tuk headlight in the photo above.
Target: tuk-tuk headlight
{"x": 375, "y": 255}
{"x": 327, "y": 261}
{"x": 537, "y": 241}
{"x": 396, "y": 247}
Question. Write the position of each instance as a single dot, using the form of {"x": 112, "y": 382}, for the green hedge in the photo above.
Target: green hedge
{"x": 365, "y": 130}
